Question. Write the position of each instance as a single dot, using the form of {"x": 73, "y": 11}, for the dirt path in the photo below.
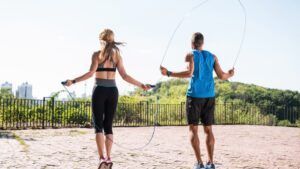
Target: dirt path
{"x": 237, "y": 147}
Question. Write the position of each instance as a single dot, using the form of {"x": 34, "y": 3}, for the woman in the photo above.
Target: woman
{"x": 105, "y": 93}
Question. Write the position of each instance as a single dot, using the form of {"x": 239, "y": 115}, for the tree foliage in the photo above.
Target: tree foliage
{"x": 174, "y": 91}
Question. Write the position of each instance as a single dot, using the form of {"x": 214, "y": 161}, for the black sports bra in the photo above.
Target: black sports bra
{"x": 101, "y": 67}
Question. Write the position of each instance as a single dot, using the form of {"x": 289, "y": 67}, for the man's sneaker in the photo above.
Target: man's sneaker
{"x": 210, "y": 165}
{"x": 199, "y": 166}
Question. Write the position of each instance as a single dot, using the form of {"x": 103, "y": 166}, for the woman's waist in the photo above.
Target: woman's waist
{"x": 105, "y": 75}
{"x": 105, "y": 82}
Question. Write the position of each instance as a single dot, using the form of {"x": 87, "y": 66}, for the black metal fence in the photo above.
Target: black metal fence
{"x": 48, "y": 113}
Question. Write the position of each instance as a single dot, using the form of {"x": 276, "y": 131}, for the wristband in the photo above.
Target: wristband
{"x": 74, "y": 81}
{"x": 169, "y": 73}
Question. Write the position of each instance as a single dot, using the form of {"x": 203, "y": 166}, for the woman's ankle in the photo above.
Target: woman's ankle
{"x": 108, "y": 160}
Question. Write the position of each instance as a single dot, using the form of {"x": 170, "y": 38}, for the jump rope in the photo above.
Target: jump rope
{"x": 186, "y": 15}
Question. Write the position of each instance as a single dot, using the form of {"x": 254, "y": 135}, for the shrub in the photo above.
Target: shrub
{"x": 298, "y": 123}
{"x": 284, "y": 123}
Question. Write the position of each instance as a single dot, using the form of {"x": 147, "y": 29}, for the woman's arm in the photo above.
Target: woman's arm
{"x": 220, "y": 73}
{"x": 183, "y": 74}
{"x": 87, "y": 75}
{"x": 128, "y": 78}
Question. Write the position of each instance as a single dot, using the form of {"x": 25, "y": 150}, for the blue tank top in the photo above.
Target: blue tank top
{"x": 202, "y": 82}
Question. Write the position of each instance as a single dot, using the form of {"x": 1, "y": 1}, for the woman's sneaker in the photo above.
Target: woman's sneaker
{"x": 198, "y": 166}
{"x": 210, "y": 165}
{"x": 109, "y": 163}
{"x": 102, "y": 163}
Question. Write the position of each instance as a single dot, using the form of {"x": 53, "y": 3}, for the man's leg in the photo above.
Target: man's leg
{"x": 210, "y": 142}
{"x": 195, "y": 142}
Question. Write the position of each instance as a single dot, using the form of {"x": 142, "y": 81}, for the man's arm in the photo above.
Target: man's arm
{"x": 183, "y": 74}
{"x": 220, "y": 73}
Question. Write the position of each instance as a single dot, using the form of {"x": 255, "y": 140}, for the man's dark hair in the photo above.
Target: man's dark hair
{"x": 197, "y": 39}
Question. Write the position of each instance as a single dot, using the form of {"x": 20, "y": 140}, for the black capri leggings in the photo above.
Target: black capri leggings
{"x": 104, "y": 105}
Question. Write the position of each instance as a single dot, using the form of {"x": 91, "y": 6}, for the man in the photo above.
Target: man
{"x": 200, "y": 102}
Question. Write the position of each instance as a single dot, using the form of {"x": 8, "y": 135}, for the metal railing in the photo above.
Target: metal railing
{"x": 48, "y": 113}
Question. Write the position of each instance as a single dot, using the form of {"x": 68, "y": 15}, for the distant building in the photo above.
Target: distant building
{"x": 24, "y": 91}
{"x": 7, "y": 86}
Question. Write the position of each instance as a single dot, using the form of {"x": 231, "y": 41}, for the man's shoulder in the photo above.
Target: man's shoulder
{"x": 189, "y": 56}
{"x": 207, "y": 52}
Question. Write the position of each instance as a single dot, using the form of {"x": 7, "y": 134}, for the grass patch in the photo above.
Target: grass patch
{"x": 21, "y": 142}
{"x": 77, "y": 132}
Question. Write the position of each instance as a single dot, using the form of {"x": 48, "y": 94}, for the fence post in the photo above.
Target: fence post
{"x": 16, "y": 106}
{"x": 225, "y": 112}
{"x": 43, "y": 116}
{"x": 157, "y": 113}
{"x": 2, "y": 112}
{"x": 147, "y": 113}
{"x": 52, "y": 108}
{"x": 181, "y": 112}
{"x": 232, "y": 113}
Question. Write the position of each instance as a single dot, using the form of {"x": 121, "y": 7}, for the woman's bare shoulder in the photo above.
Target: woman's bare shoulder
{"x": 96, "y": 52}
{"x": 116, "y": 56}
{"x": 95, "y": 55}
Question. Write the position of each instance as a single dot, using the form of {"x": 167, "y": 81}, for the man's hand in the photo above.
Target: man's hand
{"x": 145, "y": 87}
{"x": 163, "y": 70}
{"x": 231, "y": 72}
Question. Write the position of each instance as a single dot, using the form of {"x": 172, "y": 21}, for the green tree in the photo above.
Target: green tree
{"x": 5, "y": 93}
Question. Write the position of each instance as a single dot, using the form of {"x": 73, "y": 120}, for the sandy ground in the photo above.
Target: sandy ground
{"x": 248, "y": 147}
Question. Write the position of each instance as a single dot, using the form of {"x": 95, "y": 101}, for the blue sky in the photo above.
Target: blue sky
{"x": 45, "y": 42}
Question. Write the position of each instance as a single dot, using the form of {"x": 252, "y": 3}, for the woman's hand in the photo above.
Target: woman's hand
{"x": 69, "y": 83}
{"x": 163, "y": 70}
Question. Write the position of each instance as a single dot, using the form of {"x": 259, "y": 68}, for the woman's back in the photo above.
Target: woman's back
{"x": 106, "y": 66}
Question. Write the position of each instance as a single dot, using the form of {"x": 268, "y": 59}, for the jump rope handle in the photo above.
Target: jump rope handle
{"x": 152, "y": 86}
{"x": 64, "y": 83}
